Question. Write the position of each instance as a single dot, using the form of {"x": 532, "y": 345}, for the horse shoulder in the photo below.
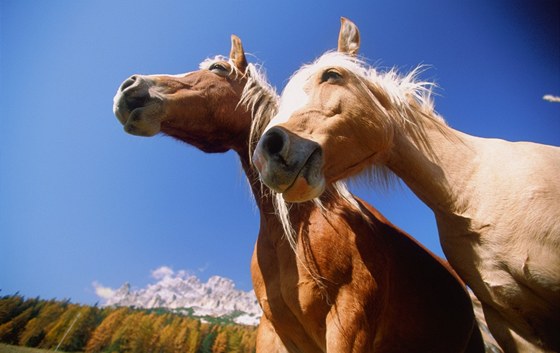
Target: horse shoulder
{"x": 512, "y": 227}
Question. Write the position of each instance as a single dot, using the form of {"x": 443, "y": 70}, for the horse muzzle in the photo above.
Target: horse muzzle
{"x": 290, "y": 164}
{"x": 136, "y": 108}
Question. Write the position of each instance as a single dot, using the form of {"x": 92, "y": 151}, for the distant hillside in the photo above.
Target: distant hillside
{"x": 48, "y": 324}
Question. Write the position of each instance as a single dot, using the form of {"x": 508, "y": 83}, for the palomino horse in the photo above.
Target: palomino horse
{"x": 497, "y": 203}
{"x": 354, "y": 283}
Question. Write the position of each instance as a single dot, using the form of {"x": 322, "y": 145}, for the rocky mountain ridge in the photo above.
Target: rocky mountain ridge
{"x": 185, "y": 293}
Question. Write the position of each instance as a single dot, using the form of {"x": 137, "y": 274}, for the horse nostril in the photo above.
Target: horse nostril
{"x": 135, "y": 92}
{"x": 274, "y": 141}
{"x": 129, "y": 82}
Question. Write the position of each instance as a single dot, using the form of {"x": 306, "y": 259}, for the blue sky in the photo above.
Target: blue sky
{"x": 83, "y": 202}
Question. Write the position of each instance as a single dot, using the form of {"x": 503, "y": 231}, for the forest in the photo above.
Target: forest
{"x": 62, "y": 325}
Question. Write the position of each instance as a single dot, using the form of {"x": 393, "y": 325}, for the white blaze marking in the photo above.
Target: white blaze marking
{"x": 292, "y": 99}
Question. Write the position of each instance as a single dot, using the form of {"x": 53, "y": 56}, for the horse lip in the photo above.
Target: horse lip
{"x": 312, "y": 157}
{"x": 129, "y": 121}
{"x": 125, "y": 115}
{"x": 125, "y": 105}
{"x": 120, "y": 109}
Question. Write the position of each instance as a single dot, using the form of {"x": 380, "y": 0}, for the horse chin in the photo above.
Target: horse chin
{"x": 145, "y": 131}
{"x": 310, "y": 182}
{"x": 301, "y": 190}
{"x": 144, "y": 121}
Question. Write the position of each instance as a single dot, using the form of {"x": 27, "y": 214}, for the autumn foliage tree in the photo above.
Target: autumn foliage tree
{"x": 37, "y": 327}
{"x": 72, "y": 327}
{"x": 101, "y": 337}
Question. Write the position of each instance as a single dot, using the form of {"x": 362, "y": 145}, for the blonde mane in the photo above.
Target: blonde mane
{"x": 261, "y": 99}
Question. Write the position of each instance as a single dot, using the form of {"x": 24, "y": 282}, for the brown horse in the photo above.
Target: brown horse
{"x": 497, "y": 203}
{"x": 355, "y": 283}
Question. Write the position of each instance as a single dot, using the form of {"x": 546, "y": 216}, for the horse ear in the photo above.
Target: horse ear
{"x": 349, "y": 37}
{"x": 237, "y": 54}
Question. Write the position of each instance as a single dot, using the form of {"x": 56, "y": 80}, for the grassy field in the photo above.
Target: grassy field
{"x": 6, "y": 348}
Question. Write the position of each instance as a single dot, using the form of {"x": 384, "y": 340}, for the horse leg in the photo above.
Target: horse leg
{"x": 507, "y": 338}
{"x": 347, "y": 335}
{"x": 268, "y": 340}
{"x": 490, "y": 344}
{"x": 351, "y": 324}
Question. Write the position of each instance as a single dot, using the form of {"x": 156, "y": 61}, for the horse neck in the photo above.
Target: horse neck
{"x": 439, "y": 170}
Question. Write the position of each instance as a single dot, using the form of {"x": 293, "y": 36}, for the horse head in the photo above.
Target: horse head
{"x": 337, "y": 117}
{"x": 199, "y": 107}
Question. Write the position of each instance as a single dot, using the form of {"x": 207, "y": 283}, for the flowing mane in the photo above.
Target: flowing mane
{"x": 261, "y": 100}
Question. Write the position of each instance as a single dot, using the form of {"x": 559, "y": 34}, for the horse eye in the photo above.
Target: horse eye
{"x": 331, "y": 76}
{"x": 219, "y": 69}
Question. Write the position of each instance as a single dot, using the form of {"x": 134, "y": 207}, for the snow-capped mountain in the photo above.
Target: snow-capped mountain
{"x": 184, "y": 292}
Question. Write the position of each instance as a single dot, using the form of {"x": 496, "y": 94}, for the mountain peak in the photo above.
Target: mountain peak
{"x": 216, "y": 298}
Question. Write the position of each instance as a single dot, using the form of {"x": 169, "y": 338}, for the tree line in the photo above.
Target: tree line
{"x": 56, "y": 324}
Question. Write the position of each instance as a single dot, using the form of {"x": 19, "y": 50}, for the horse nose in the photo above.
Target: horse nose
{"x": 136, "y": 85}
{"x": 275, "y": 143}
{"x": 134, "y": 92}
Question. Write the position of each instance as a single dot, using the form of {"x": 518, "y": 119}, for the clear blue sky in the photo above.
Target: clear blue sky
{"x": 81, "y": 201}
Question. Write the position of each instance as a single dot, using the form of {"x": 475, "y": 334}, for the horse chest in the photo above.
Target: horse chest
{"x": 289, "y": 297}
{"x": 297, "y": 313}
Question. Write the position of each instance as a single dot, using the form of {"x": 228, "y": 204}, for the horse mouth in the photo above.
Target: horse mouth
{"x": 307, "y": 180}
{"x": 143, "y": 120}
{"x": 120, "y": 110}
{"x": 133, "y": 116}
{"x": 125, "y": 107}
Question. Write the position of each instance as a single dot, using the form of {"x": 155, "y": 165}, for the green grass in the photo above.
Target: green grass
{"x": 6, "y": 348}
